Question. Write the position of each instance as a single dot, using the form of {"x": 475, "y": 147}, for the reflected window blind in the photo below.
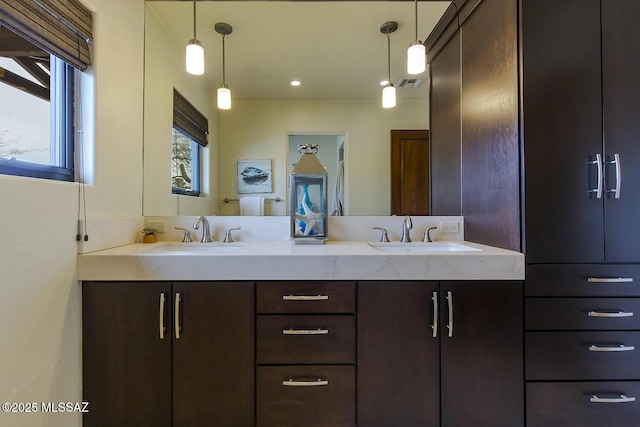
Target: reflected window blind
{"x": 61, "y": 27}
{"x": 189, "y": 120}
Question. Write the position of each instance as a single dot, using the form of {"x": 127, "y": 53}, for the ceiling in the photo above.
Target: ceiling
{"x": 335, "y": 48}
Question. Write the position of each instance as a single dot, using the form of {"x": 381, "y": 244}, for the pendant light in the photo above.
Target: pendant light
{"x": 416, "y": 55}
{"x": 389, "y": 91}
{"x": 224, "y": 94}
{"x": 195, "y": 52}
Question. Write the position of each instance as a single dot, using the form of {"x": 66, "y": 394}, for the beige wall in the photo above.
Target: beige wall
{"x": 40, "y": 307}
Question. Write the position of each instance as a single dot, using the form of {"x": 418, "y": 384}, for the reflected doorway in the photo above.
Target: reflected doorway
{"x": 410, "y": 182}
{"x": 331, "y": 153}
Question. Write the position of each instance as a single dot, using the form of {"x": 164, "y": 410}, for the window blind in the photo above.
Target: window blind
{"x": 188, "y": 119}
{"x": 61, "y": 27}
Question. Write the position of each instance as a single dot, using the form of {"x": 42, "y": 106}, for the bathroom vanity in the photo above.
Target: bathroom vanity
{"x": 277, "y": 334}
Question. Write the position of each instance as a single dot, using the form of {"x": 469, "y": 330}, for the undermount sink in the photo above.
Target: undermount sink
{"x": 174, "y": 248}
{"x": 422, "y": 247}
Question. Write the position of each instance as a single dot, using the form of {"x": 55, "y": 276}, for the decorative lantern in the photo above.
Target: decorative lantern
{"x": 308, "y": 197}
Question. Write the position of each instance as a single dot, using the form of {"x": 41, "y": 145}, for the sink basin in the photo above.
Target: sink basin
{"x": 192, "y": 248}
{"x": 422, "y": 247}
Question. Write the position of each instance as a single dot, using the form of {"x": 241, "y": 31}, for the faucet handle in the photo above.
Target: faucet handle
{"x": 427, "y": 234}
{"x": 186, "y": 237}
{"x": 227, "y": 236}
{"x": 384, "y": 237}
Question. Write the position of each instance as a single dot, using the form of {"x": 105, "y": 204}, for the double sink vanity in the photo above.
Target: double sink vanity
{"x": 270, "y": 333}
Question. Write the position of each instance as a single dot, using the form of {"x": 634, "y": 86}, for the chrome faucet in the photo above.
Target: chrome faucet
{"x": 227, "y": 236}
{"x": 206, "y": 233}
{"x": 406, "y": 226}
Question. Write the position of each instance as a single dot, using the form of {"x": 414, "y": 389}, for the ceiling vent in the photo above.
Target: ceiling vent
{"x": 409, "y": 82}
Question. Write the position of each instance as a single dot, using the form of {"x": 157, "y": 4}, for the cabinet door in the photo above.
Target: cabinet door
{"x": 562, "y": 116}
{"x": 621, "y": 91}
{"x": 213, "y": 354}
{"x": 397, "y": 380}
{"x": 126, "y": 354}
{"x": 481, "y": 354}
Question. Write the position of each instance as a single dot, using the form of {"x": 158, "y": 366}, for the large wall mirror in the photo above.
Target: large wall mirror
{"x": 336, "y": 51}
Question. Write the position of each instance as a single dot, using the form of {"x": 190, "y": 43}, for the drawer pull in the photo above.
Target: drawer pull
{"x": 610, "y": 314}
{"x": 318, "y": 331}
{"x": 305, "y": 297}
{"x": 605, "y": 348}
{"x": 622, "y": 399}
{"x": 610, "y": 279}
{"x": 305, "y": 383}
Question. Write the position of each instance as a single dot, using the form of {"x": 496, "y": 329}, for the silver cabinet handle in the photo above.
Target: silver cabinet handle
{"x": 176, "y": 318}
{"x": 610, "y": 348}
{"x": 291, "y": 382}
{"x": 598, "y": 163}
{"x": 610, "y": 279}
{"x": 450, "y": 303}
{"x": 434, "y": 325}
{"x": 610, "y": 314}
{"x": 305, "y": 297}
{"x": 622, "y": 399}
{"x": 318, "y": 331}
{"x": 161, "y": 316}
{"x": 616, "y": 161}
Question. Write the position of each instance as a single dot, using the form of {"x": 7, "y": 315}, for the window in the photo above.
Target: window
{"x": 190, "y": 130}
{"x": 36, "y": 115}
{"x": 185, "y": 164}
{"x": 41, "y": 45}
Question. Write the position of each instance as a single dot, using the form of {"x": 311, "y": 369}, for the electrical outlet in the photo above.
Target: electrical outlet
{"x": 158, "y": 225}
{"x": 449, "y": 227}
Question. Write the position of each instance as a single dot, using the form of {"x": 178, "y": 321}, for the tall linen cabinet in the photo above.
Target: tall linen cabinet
{"x": 534, "y": 110}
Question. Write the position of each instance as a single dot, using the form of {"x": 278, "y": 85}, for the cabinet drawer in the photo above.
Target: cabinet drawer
{"x": 582, "y": 313}
{"x": 306, "y": 297}
{"x": 584, "y": 404}
{"x": 306, "y": 339}
{"x": 582, "y": 355}
{"x": 583, "y": 280}
{"x": 314, "y": 396}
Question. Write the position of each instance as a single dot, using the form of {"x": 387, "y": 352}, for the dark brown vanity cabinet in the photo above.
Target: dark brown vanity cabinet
{"x": 580, "y": 110}
{"x": 306, "y": 354}
{"x": 168, "y": 354}
{"x": 440, "y": 354}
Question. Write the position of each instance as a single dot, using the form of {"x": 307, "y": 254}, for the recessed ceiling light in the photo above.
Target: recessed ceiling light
{"x": 295, "y": 83}
{"x": 384, "y": 82}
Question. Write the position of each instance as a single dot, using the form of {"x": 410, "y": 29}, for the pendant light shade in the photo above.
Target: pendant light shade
{"x": 389, "y": 96}
{"x": 195, "y": 52}
{"x": 416, "y": 54}
{"x": 195, "y": 58}
{"x": 389, "y": 91}
{"x": 224, "y": 98}
{"x": 224, "y": 93}
{"x": 416, "y": 58}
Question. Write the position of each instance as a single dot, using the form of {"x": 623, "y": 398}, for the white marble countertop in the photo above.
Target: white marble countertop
{"x": 284, "y": 260}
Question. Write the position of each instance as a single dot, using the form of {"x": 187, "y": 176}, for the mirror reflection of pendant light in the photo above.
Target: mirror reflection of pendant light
{"x": 416, "y": 55}
{"x": 195, "y": 52}
{"x": 224, "y": 93}
{"x": 389, "y": 91}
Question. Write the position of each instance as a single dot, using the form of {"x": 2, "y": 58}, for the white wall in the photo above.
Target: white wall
{"x": 40, "y": 307}
{"x": 258, "y": 130}
{"x": 164, "y": 70}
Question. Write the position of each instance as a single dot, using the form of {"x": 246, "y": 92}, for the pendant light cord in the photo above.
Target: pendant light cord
{"x": 224, "y": 80}
{"x": 194, "y": 20}
{"x": 416, "y": 15}
{"x": 389, "y": 57}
